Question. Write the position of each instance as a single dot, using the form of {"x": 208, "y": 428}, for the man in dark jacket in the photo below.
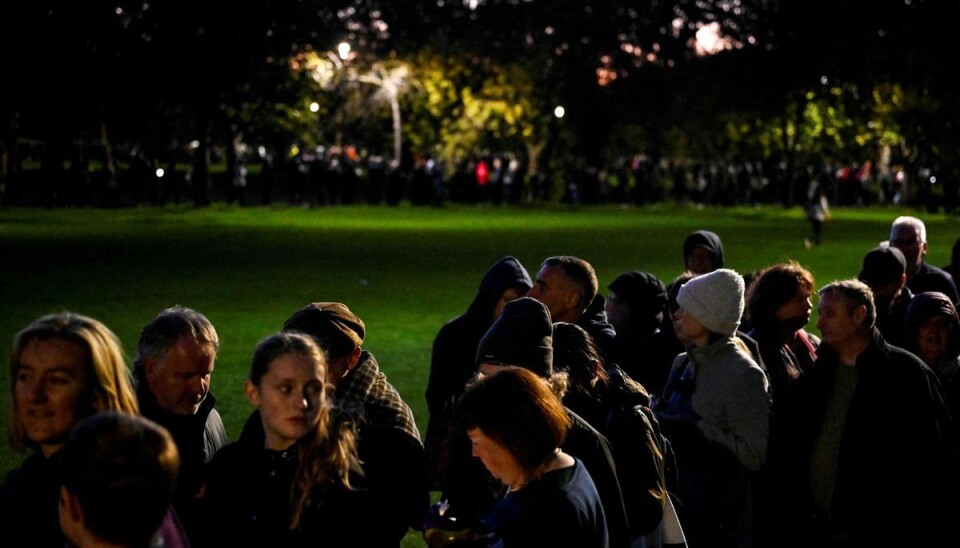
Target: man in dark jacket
{"x": 388, "y": 442}
{"x": 568, "y": 287}
{"x": 885, "y": 272}
{"x": 172, "y": 370}
{"x": 454, "y": 352}
{"x": 909, "y": 235}
{"x": 879, "y": 434}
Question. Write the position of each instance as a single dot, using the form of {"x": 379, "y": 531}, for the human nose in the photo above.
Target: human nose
{"x": 200, "y": 385}
{"x": 37, "y": 391}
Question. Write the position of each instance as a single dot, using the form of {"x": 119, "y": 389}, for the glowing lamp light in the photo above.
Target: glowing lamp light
{"x": 314, "y": 107}
{"x": 559, "y": 112}
{"x": 160, "y": 172}
{"x": 343, "y": 50}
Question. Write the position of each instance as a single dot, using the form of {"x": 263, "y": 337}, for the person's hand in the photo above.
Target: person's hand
{"x": 441, "y": 529}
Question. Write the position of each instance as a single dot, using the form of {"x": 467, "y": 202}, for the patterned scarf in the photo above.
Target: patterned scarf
{"x": 366, "y": 396}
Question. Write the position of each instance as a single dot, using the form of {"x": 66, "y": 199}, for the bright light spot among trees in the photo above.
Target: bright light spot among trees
{"x": 559, "y": 112}
{"x": 343, "y": 50}
{"x": 314, "y": 107}
{"x": 160, "y": 172}
{"x": 709, "y": 40}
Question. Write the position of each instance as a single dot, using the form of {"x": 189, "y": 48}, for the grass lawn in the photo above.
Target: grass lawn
{"x": 404, "y": 270}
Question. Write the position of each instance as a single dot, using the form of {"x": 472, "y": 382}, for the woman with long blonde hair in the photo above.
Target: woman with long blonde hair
{"x": 63, "y": 367}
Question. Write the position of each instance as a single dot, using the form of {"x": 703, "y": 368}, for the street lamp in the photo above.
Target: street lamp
{"x": 343, "y": 50}
{"x": 559, "y": 112}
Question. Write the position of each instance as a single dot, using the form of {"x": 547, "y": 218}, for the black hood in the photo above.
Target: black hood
{"x": 504, "y": 274}
{"x": 707, "y": 239}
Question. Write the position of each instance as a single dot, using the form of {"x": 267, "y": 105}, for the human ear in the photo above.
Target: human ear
{"x": 860, "y": 313}
{"x": 252, "y": 393}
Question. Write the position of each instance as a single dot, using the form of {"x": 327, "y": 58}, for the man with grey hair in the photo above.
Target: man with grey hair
{"x": 174, "y": 363}
{"x": 909, "y": 235}
{"x": 876, "y": 417}
{"x": 568, "y": 287}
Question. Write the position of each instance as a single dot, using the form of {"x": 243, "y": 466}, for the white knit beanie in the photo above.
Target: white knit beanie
{"x": 715, "y": 300}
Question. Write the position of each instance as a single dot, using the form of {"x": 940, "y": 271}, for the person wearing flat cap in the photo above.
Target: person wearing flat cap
{"x": 885, "y": 273}
{"x": 388, "y": 441}
{"x": 715, "y": 411}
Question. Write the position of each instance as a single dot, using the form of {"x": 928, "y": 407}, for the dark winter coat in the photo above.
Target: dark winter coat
{"x": 453, "y": 362}
{"x": 455, "y": 347}
{"x": 249, "y": 501}
{"x": 29, "y": 504}
{"x": 594, "y": 321}
{"x": 198, "y": 438}
{"x": 931, "y": 278}
{"x": 894, "y": 474}
{"x": 390, "y": 450}
{"x": 560, "y": 509}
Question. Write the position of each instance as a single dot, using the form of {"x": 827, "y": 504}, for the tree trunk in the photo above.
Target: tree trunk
{"x": 397, "y": 134}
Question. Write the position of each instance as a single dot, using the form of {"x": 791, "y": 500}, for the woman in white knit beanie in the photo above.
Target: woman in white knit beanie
{"x": 715, "y": 410}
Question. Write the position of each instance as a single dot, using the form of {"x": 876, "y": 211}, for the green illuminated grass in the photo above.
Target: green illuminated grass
{"x": 404, "y": 270}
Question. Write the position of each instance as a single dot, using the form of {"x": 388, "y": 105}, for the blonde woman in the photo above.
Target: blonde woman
{"x": 63, "y": 367}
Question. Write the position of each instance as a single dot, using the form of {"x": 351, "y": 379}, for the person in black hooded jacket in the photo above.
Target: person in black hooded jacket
{"x": 454, "y": 353}
{"x": 702, "y": 252}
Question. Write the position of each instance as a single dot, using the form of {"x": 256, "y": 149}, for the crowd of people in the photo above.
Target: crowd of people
{"x": 696, "y": 412}
{"x": 342, "y": 175}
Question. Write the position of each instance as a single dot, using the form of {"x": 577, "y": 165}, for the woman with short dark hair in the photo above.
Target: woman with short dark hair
{"x": 516, "y": 425}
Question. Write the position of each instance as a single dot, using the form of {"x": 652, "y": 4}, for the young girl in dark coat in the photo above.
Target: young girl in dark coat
{"x": 292, "y": 485}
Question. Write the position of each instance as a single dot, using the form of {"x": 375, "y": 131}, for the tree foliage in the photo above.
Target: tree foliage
{"x": 793, "y": 81}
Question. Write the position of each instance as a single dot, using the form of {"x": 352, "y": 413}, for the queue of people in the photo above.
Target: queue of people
{"x": 700, "y": 412}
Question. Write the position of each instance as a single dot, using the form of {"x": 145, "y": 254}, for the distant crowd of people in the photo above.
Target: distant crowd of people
{"x": 343, "y": 175}
{"x": 698, "y": 412}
